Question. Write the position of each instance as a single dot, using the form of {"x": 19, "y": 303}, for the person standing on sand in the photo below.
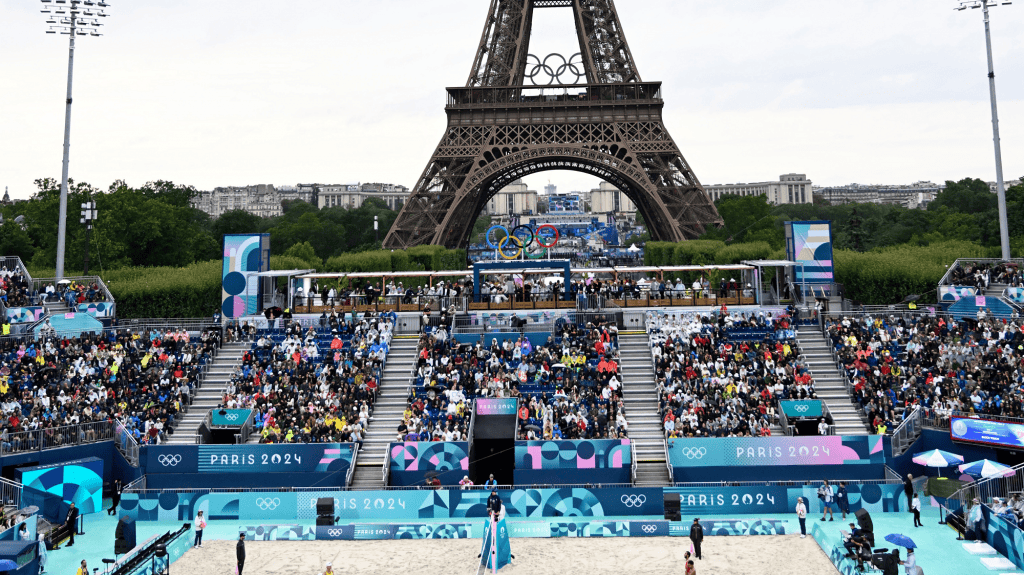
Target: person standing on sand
{"x": 240, "y": 553}
{"x": 801, "y": 514}
{"x": 696, "y": 537}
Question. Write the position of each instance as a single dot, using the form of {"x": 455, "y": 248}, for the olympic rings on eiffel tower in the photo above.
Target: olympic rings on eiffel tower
{"x": 523, "y": 236}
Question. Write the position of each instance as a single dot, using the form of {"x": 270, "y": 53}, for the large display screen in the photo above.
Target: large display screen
{"x": 500, "y": 406}
{"x": 988, "y": 432}
{"x": 262, "y": 458}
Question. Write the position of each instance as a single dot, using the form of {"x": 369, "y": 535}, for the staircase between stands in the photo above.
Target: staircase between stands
{"x": 640, "y": 399}
{"x": 210, "y": 392}
{"x": 392, "y": 400}
{"x": 829, "y": 381}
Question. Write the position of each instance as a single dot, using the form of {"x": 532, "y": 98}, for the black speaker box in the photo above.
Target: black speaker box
{"x": 325, "y": 520}
{"x": 325, "y": 506}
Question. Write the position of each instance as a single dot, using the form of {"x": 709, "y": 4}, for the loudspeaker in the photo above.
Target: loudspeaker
{"x": 124, "y": 535}
{"x": 324, "y": 520}
{"x": 325, "y": 506}
{"x": 864, "y": 520}
{"x": 672, "y": 506}
{"x": 883, "y": 561}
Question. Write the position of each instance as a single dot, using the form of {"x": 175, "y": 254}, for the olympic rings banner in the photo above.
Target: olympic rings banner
{"x": 235, "y": 459}
{"x": 523, "y": 238}
{"x": 408, "y": 505}
{"x": 777, "y": 451}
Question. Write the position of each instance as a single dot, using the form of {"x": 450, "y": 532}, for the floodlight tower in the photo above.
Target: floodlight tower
{"x": 73, "y": 18}
{"x": 1004, "y": 231}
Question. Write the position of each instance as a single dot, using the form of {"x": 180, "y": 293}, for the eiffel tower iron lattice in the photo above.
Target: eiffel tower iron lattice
{"x": 500, "y": 130}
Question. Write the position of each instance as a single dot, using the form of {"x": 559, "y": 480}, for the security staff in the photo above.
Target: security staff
{"x": 696, "y": 536}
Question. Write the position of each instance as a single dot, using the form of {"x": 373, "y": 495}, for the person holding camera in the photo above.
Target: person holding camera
{"x": 826, "y": 495}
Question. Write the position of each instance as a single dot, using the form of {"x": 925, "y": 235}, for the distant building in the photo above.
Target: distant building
{"x": 550, "y": 190}
{"x": 263, "y": 200}
{"x": 352, "y": 196}
{"x": 607, "y": 199}
{"x": 912, "y": 196}
{"x": 512, "y": 200}
{"x": 6, "y": 201}
{"x": 1007, "y": 184}
{"x": 790, "y": 189}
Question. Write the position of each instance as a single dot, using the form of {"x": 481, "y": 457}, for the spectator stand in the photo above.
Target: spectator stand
{"x": 313, "y": 384}
{"x": 939, "y": 362}
{"x": 722, "y": 374}
{"x": 62, "y": 389}
{"x": 15, "y": 288}
{"x": 568, "y": 384}
{"x": 982, "y": 285}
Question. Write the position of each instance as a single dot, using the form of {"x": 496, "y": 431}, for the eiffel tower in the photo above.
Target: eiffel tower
{"x": 520, "y": 114}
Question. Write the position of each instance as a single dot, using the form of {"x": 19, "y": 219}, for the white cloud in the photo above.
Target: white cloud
{"x": 233, "y": 92}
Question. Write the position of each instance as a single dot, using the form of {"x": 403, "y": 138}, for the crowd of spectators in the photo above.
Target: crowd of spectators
{"x": 981, "y": 274}
{"x": 314, "y": 384}
{"x": 722, "y": 374}
{"x": 941, "y": 364}
{"x": 567, "y": 387}
{"x": 14, "y": 288}
{"x": 144, "y": 379}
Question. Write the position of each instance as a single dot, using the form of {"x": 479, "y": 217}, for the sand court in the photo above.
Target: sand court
{"x": 754, "y": 555}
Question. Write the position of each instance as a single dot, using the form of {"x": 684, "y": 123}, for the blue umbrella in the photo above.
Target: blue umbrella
{"x": 937, "y": 458}
{"x": 986, "y": 469}
{"x": 7, "y": 565}
{"x": 901, "y": 540}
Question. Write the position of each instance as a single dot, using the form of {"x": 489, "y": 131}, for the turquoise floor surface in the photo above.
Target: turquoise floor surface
{"x": 939, "y": 552}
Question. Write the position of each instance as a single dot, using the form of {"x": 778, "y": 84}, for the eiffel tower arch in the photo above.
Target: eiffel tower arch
{"x": 520, "y": 114}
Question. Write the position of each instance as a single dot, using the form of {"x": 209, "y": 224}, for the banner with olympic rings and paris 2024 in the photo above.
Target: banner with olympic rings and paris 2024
{"x": 246, "y": 459}
{"x": 771, "y": 452}
{"x": 523, "y": 239}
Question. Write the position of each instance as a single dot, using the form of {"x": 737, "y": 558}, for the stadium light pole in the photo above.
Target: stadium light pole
{"x": 73, "y": 18}
{"x": 1004, "y": 230}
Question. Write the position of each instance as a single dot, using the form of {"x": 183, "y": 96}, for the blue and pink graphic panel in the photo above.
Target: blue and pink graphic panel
{"x": 810, "y": 244}
{"x": 244, "y": 256}
{"x": 498, "y": 406}
{"x": 582, "y": 461}
{"x": 412, "y": 460}
{"x": 779, "y": 458}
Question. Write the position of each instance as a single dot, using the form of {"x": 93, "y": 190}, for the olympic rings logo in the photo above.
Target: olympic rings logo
{"x": 169, "y": 460}
{"x": 649, "y": 528}
{"x": 694, "y": 452}
{"x": 268, "y": 504}
{"x": 511, "y": 245}
{"x": 231, "y": 416}
{"x": 572, "y": 69}
{"x": 801, "y": 408}
{"x": 634, "y": 500}
{"x": 334, "y": 532}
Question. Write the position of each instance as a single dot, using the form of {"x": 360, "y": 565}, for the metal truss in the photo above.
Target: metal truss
{"x": 499, "y": 131}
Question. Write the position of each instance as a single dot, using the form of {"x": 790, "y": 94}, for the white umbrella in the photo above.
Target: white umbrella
{"x": 632, "y": 248}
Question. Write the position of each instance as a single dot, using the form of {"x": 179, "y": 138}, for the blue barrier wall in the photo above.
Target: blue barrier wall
{"x": 410, "y": 505}
{"x": 705, "y": 501}
{"x": 411, "y": 460}
{"x": 536, "y": 338}
{"x": 262, "y": 465}
{"x": 1007, "y": 539}
{"x": 582, "y": 461}
{"x": 778, "y": 458}
{"x": 79, "y": 482}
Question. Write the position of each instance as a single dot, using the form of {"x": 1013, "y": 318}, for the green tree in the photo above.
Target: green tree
{"x": 304, "y": 251}
{"x": 236, "y": 222}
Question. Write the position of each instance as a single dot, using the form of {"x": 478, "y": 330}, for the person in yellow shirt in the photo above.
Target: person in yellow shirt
{"x": 83, "y": 570}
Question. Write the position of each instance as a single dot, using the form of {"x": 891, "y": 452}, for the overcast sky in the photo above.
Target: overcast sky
{"x": 231, "y": 92}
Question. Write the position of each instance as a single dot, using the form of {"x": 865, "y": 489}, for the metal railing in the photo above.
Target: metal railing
{"x": 986, "y": 489}
{"x": 245, "y": 430}
{"x": 146, "y": 492}
{"x": 891, "y": 475}
{"x": 56, "y": 437}
{"x": 907, "y": 431}
{"x": 10, "y": 493}
{"x": 192, "y": 325}
{"x": 352, "y": 467}
{"x": 386, "y": 465}
{"x": 126, "y": 443}
{"x": 793, "y": 483}
{"x": 137, "y": 486}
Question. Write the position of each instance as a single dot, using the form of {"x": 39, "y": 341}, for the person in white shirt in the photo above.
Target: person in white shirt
{"x": 828, "y": 495}
{"x": 915, "y": 507}
{"x": 801, "y": 514}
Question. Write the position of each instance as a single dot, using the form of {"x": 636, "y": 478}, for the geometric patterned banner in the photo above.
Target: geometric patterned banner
{"x": 429, "y": 456}
{"x": 583, "y": 454}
